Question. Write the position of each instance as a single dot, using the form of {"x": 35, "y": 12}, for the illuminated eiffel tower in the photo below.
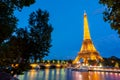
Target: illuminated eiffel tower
{"x": 88, "y": 50}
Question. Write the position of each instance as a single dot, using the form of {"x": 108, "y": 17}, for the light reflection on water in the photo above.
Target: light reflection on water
{"x": 64, "y": 74}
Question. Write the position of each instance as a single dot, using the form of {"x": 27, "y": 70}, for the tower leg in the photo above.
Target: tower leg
{"x": 85, "y": 61}
{"x": 76, "y": 60}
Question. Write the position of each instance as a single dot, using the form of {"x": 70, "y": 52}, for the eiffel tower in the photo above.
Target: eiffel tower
{"x": 88, "y": 50}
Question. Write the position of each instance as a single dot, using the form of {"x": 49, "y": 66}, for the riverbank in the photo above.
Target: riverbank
{"x": 97, "y": 69}
{"x": 6, "y": 76}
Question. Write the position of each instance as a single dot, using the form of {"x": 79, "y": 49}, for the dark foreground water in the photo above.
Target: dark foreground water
{"x": 64, "y": 74}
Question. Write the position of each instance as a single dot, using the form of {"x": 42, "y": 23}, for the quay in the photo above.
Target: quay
{"x": 106, "y": 70}
{"x": 97, "y": 69}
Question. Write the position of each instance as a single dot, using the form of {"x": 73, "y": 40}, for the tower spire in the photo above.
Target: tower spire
{"x": 86, "y": 27}
{"x": 84, "y": 12}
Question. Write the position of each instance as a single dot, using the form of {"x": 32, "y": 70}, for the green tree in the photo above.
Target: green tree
{"x": 40, "y": 33}
{"x": 112, "y": 13}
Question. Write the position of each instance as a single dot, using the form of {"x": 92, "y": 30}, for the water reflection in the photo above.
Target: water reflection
{"x": 64, "y": 74}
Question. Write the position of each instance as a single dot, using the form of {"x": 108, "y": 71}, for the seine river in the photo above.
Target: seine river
{"x": 64, "y": 74}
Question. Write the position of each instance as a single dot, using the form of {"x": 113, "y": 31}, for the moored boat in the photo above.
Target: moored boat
{"x": 81, "y": 69}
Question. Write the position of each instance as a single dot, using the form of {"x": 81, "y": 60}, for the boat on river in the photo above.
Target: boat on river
{"x": 81, "y": 69}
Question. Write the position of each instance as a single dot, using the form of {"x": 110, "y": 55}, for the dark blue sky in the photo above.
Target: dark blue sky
{"x": 66, "y": 17}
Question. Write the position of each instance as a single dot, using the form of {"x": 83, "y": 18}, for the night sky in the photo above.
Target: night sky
{"x": 66, "y": 17}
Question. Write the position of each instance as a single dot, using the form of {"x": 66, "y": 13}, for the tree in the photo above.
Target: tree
{"x": 21, "y": 44}
{"x": 40, "y": 32}
{"x": 9, "y": 53}
{"x": 14, "y": 53}
{"x": 7, "y": 19}
{"x": 112, "y": 13}
{"x": 17, "y": 4}
{"x": 7, "y": 22}
{"x": 17, "y": 49}
{"x": 26, "y": 43}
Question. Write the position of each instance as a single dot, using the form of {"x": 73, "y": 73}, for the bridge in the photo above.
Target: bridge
{"x": 48, "y": 65}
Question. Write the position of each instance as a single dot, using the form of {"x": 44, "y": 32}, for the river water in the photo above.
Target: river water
{"x": 64, "y": 74}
